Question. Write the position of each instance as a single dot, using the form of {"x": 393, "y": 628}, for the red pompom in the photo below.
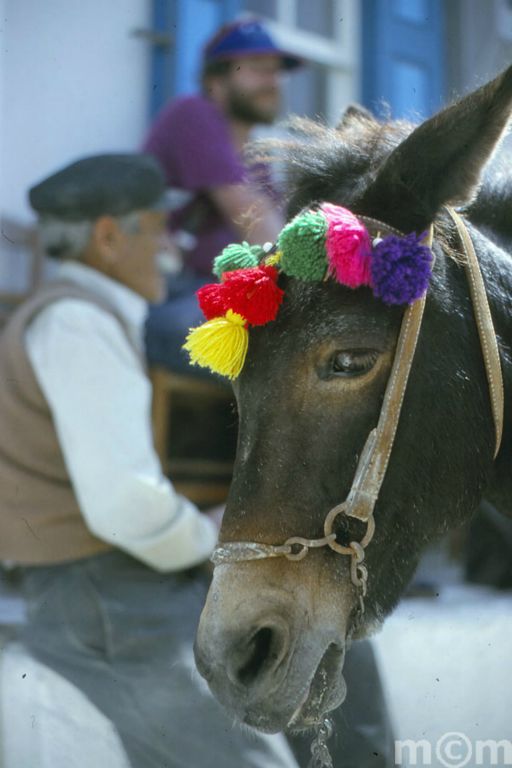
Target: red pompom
{"x": 212, "y": 300}
{"x": 253, "y": 293}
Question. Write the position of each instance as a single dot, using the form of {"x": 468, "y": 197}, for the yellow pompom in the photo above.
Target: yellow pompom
{"x": 274, "y": 259}
{"x": 219, "y": 344}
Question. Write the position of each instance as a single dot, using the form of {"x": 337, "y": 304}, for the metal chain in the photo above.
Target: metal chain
{"x": 297, "y": 547}
{"x": 320, "y": 755}
{"x": 359, "y": 575}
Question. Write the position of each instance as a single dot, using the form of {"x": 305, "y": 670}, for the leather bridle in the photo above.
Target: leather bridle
{"x": 374, "y": 458}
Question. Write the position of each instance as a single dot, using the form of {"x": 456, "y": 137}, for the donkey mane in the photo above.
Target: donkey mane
{"x": 318, "y": 162}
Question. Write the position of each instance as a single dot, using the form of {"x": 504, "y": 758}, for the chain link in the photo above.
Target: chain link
{"x": 297, "y": 547}
{"x": 305, "y": 545}
{"x": 320, "y": 755}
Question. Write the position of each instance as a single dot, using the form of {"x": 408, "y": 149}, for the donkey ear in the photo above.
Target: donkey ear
{"x": 441, "y": 161}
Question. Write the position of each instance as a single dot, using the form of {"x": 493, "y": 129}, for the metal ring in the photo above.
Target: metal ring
{"x": 340, "y": 548}
{"x": 370, "y": 530}
{"x": 339, "y": 509}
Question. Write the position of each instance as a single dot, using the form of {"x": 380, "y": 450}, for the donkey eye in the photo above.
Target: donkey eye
{"x": 353, "y": 362}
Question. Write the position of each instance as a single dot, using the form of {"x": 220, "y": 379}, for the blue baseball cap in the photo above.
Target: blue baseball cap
{"x": 246, "y": 37}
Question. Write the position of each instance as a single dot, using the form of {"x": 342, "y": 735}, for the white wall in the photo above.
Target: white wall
{"x": 73, "y": 81}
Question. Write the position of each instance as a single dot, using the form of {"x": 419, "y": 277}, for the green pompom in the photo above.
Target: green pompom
{"x": 302, "y": 243}
{"x": 237, "y": 256}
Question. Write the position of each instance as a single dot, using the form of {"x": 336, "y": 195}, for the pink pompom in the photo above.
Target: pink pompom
{"x": 348, "y": 246}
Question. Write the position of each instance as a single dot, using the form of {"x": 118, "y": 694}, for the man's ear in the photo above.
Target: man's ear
{"x": 441, "y": 161}
{"x": 106, "y": 235}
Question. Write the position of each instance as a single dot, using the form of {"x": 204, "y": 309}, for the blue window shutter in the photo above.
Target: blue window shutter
{"x": 188, "y": 24}
{"x": 163, "y": 55}
{"x": 403, "y": 57}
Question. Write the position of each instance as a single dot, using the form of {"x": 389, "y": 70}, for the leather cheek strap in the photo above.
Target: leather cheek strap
{"x": 483, "y": 318}
{"x": 377, "y": 450}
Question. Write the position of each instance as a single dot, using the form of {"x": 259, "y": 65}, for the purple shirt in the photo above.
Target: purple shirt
{"x": 192, "y": 141}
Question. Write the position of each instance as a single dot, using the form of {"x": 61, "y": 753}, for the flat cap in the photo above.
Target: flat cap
{"x": 101, "y": 185}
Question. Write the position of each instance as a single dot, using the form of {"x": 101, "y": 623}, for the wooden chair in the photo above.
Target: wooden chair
{"x": 177, "y": 400}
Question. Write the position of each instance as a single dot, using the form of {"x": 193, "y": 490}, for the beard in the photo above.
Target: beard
{"x": 246, "y": 109}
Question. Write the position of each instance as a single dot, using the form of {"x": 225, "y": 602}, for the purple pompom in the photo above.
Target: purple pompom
{"x": 401, "y": 268}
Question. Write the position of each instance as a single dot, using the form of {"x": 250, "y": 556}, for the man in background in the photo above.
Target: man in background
{"x": 199, "y": 141}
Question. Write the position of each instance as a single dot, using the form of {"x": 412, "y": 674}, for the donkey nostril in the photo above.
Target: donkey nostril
{"x": 258, "y": 653}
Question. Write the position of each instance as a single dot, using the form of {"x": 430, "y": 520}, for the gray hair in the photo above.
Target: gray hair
{"x": 67, "y": 240}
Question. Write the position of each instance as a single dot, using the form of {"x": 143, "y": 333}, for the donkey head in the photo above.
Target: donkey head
{"x": 273, "y": 633}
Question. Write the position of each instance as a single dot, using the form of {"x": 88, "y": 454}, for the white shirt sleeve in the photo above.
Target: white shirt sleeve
{"x": 100, "y": 399}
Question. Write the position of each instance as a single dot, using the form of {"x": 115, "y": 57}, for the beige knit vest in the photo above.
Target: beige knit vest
{"x": 40, "y": 520}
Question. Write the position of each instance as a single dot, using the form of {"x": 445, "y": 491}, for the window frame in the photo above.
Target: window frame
{"x": 340, "y": 54}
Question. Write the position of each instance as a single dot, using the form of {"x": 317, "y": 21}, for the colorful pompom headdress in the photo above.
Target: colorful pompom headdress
{"x": 328, "y": 241}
